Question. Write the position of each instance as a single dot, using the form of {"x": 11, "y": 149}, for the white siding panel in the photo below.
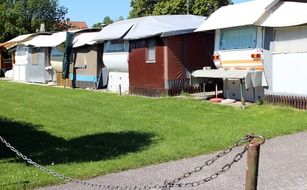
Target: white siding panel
{"x": 290, "y": 40}
{"x": 289, "y": 74}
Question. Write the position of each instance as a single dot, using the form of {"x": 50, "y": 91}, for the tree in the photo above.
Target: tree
{"x": 141, "y": 7}
{"x": 25, "y": 16}
{"x": 207, "y": 7}
{"x": 165, "y": 7}
{"x": 120, "y": 18}
{"x": 107, "y": 20}
{"x": 97, "y": 25}
{"x": 162, "y": 7}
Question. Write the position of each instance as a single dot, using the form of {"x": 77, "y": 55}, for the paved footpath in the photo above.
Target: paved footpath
{"x": 283, "y": 166}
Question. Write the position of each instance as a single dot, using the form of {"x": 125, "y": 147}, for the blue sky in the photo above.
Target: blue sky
{"x": 93, "y": 11}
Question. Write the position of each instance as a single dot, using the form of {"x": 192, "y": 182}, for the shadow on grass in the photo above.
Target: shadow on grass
{"x": 46, "y": 149}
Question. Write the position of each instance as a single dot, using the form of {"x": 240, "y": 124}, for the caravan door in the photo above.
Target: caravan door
{"x": 21, "y": 63}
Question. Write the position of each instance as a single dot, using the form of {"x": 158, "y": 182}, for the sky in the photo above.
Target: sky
{"x": 93, "y": 11}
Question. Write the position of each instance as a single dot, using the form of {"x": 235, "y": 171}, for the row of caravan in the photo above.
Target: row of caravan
{"x": 256, "y": 48}
{"x": 152, "y": 55}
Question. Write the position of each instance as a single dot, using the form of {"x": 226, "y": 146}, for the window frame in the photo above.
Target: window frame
{"x": 35, "y": 55}
{"x": 124, "y": 46}
{"x": 153, "y": 42}
{"x": 56, "y": 54}
{"x": 253, "y": 46}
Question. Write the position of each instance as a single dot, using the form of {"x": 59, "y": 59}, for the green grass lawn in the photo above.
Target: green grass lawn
{"x": 83, "y": 134}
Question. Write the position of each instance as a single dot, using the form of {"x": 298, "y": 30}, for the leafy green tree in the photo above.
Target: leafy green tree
{"x": 170, "y": 7}
{"x": 207, "y": 7}
{"x": 162, "y": 7}
{"x": 142, "y": 7}
{"x": 120, "y": 18}
{"x": 107, "y": 20}
{"x": 25, "y": 16}
{"x": 97, "y": 25}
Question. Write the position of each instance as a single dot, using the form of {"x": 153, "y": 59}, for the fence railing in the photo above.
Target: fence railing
{"x": 292, "y": 101}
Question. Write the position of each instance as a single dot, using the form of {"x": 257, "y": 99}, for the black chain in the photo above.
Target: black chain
{"x": 69, "y": 179}
{"x": 167, "y": 184}
{"x": 238, "y": 157}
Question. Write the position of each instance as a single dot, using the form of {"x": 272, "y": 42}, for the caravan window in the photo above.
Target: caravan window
{"x": 21, "y": 50}
{"x": 116, "y": 46}
{"x": 57, "y": 54}
{"x": 238, "y": 38}
{"x": 35, "y": 56}
{"x": 151, "y": 50}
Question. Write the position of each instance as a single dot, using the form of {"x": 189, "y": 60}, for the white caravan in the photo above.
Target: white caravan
{"x": 262, "y": 35}
{"x": 243, "y": 48}
{"x": 115, "y": 59}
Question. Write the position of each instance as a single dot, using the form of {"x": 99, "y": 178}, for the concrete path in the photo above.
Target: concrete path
{"x": 283, "y": 166}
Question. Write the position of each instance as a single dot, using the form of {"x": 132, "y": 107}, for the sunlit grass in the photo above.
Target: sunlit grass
{"x": 84, "y": 134}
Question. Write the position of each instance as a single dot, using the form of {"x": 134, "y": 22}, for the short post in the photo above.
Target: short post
{"x": 65, "y": 83}
{"x": 120, "y": 89}
{"x": 226, "y": 87}
{"x": 242, "y": 93}
{"x": 204, "y": 87}
{"x": 252, "y": 165}
{"x": 216, "y": 89}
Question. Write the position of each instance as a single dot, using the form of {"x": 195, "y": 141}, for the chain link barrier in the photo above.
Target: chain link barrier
{"x": 167, "y": 184}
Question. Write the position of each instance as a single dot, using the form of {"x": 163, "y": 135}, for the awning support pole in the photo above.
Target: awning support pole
{"x": 216, "y": 90}
{"x": 242, "y": 94}
{"x": 204, "y": 87}
{"x": 226, "y": 88}
{"x": 120, "y": 89}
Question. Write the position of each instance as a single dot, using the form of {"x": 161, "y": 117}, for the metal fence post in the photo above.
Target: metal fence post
{"x": 253, "y": 164}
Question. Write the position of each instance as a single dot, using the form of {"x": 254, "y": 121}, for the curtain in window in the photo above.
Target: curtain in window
{"x": 116, "y": 46}
{"x": 151, "y": 50}
{"x": 238, "y": 38}
{"x": 35, "y": 56}
{"x": 57, "y": 54}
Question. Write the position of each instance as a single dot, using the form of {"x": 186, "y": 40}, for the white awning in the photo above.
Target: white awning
{"x": 144, "y": 27}
{"x": 113, "y": 31}
{"x": 84, "y": 39}
{"x": 53, "y": 40}
{"x": 164, "y": 25}
{"x": 251, "y": 78}
{"x": 220, "y": 73}
{"x": 47, "y": 41}
{"x": 13, "y": 42}
{"x": 36, "y": 40}
{"x": 242, "y": 14}
{"x": 287, "y": 14}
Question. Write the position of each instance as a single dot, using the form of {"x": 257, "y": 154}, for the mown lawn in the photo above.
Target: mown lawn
{"x": 83, "y": 134}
